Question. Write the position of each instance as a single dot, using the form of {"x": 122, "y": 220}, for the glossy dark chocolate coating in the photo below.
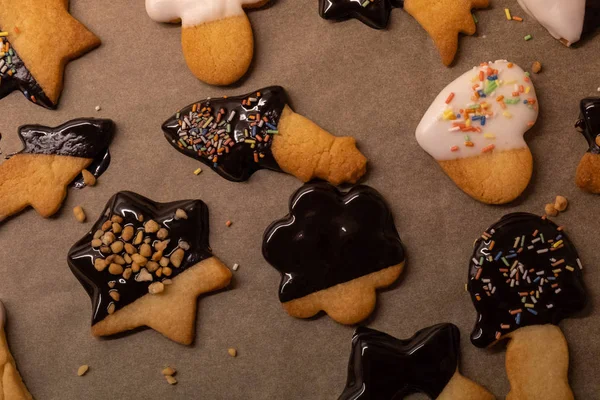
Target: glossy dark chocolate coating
{"x": 331, "y": 237}
{"x": 589, "y": 122}
{"x": 194, "y": 230}
{"x": 21, "y": 80}
{"x": 239, "y": 163}
{"x": 494, "y": 309}
{"x": 382, "y": 367}
{"x": 376, "y": 14}
{"x": 591, "y": 22}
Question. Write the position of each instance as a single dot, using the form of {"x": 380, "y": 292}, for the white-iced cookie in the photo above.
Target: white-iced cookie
{"x": 475, "y": 127}
{"x": 217, "y": 39}
{"x": 562, "y": 18}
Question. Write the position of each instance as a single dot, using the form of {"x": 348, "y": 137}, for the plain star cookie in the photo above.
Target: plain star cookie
{"x": 39, "y": 39}
{"x": 588, "y": 171}
{"x": 474, "y": 129}
{"x": 237, "y": 136}
{"x": 51, "y": 159}
{"x": 11, "y": 384}
{"x": 525, "y": 276}
{"x": 385, "y": 368}
{"x": 333, "y": 251}
{"x": 145, "y": 264}
{"x": 216, "y": 37}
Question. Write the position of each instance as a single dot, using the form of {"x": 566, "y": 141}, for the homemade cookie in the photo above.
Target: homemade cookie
{"x": 474, "y": 129}
{"x": 385, "y": 368}
{"x": 588, "y": 171}
{"x": 40, "y": 38}
{"x": 216, "y": 37}
{"x": 333, "y": 251}
{"x": 145, "y": 264}
{"x": 237, "y": 136}
{"x": 11, "y": 384}
{"x": 525, "y": 276}
{"x": 442, "y": 19}
{"x": 51, "y": 159}
{"x": 566, "y": 20}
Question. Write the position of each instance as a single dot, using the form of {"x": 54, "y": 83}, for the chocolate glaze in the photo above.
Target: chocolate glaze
{"x": 591, "y": 22}
{"x": 376, "y": 14}
{"x": 249, "y": 147}
{"x": 382, "y": 367}
{"x": 529, "y": 290}
{"x": 589, "y": 122}
{"x": 193, "y": 230}
{"x": 330, "y": 237}
{"x": 21, "y": 79}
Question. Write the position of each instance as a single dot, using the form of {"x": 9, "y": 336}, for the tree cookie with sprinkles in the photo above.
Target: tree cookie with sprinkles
{"x": 588, "y": 171}
{"x": 11, "y": 384}
{"x": 333, "y": 251}
{"x": 51, "y": 159}
{"x": 237, "y": 136}
{"x": 38, "y": 39}
{"x": 145, "y": 264}
{"x": 525, "y": 276}
{"x": 216, "y": 37}
{"x": 385, "y": 368}
{"x": 474, "y": 129}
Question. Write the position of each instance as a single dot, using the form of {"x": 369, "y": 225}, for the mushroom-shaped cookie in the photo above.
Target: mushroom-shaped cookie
{"x": 474, "y": 129}
{"x": 237, "y": 136}
{"x": 382, "y": 367}
{"x": 333, "y": 250}
{"x": 216, "y": 37}
{"x": 11, "y": 384}
{"x": 525, "y": 276}
{"x": 588, "y": 171}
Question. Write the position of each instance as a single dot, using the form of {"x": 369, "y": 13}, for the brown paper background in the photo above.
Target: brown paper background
{"x": 351, "y": 80}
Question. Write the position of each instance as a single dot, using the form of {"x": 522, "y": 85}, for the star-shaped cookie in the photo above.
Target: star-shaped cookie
{"x": 145, "y": 264}
{"x": 40, "y": 37}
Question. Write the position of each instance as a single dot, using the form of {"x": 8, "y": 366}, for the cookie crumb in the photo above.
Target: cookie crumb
{"x": 536, "y": 67}
{"x": 171, "y": 380}
{"x": 156, "y": 288}
{"x": 561, "y": 203}
{"x": 88, "y": 178}
{"x": 228, "y": 223}
{"x": 168, "y": 371}
{"x": 550, "y": 210}
{"x": 236, "y": 266}
{"x": 232, "y": 352}
{"x": 198, "y": 171}
{"x": 79, "y": 214}
{"x": 83, "y": 370}
{"x": 98, "y": 108}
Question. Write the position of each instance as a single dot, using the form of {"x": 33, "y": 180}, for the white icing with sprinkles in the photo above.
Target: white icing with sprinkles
{"x": 195, "y": 12}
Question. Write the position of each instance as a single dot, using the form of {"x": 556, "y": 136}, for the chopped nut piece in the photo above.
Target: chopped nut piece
{"x": 145, "y": 250}
{"x": 171, "y": 380}
{"x": 118, "y": 259}
{"x": 110, "y": 258}
{"x": 81, "y": 371}
{"x": 144, "y": 276}
{"x": 168, "y": 371}
{"x": 147, "y": 240}
{"x": 127, "y": 258}
{"x": 100, "y": 264}
{"x": 177, "y": 257}
{"x": 156, "y": 288}
{"x": 115, "y": 269}
{"x": 561, "y": 203}
{"x": 184, "y": 245}
{"x": 96, "y": 243}
{"x": 114, "y": 295}
{"x": 536, "y": 67}
{"x": 180, "y": 214}
{"x": 232, "y": 352}
{"x": 138, "y": 238}
{"x": 167, "y": 282}
{"x": 111, "y": 284}
{"x": 157, "y": 256}
{"x": 111, "y": 308}
{"x": 130, "y": 249}
{"x": 140, "y": 260}
{"x": 141, "y": 218}
{"x": 88, "y": 178}
{"x": 160, "y": 246}
{"x": 164, "y": 262}
{"x": 127, "y": 233}
{"x": 167, "y": 271}
{"x": 108, "y": 238}
{"x": 79, "y": 214}
{"x": 116, "y": 227}
{"x": 106, "y": 226}
{"x": 117, "y": 246}
{"x": 105, "y": 249}
{"x": 98, "y": 234}
{"x": 152, "y": 266}
{"x": 135, "y": 267}
{"x": 158, "y": 272}
{"x": 550, "y": 210}
{"x": 162, "y": 233}
{"x": 151, "y": 226}
{"x": 116, "y": 218}
{"x": 127, "y": 273}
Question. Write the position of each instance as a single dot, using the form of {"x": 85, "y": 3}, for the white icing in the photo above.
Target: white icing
{"x": 562, "y": 18}
{"x": 195, "y": 12}
{"x": 2, "y": 316}
{"x": 503, "y": 131}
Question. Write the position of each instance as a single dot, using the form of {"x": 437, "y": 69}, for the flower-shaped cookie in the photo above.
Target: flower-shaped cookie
{"x": 333, "y": 250}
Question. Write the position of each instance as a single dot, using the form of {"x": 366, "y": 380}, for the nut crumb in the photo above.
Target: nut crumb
{"x": 151, "y": 226}
{"x": 79, "y": 214}
{"x": 536, "y": 67}
{"x": 180, "y": 214}
{"x": 232, "y": 352}
{"x": 156, "y": 288}
{"x": 88, "y": 178}
{"x": 550, "y": 210}
{"x": 98, "y": 108}
{"x": 171, "y": 380}
{"x": 168, "y": 371}
{"x": 82, "y": 370}
{"x": 561, "y": 203}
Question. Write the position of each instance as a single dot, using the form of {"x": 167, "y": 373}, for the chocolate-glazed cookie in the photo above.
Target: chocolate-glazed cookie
{"x": 588, "y": 171}
{"x": 331, "y": 240}
{"x": 374, "y": 13}
{"x": 524, "y": 271}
